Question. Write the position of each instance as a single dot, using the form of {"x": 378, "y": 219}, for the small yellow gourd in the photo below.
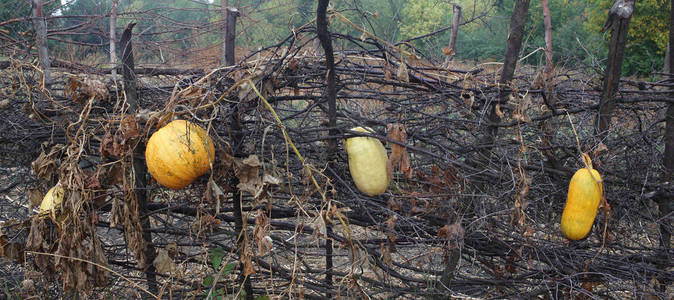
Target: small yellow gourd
{"x": 582, "y": 202}
{"x": 53, "y": 198}
{"x": 367, "y": 163}
{"x": 178, "y": 153}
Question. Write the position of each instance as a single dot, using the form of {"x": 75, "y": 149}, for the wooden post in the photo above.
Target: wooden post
{"x": 330, "y": 94}
{"x": 229, "y": 39}
{"x": 140, "y": 170}
{"x": 548, "y": 40}
{"x": 665, "y": 203}
{"x": 230, "y": 36}
{"x": 517, "y": 20}
{"x": 224, "y": 4}
{"x": 113, "y": 36}
{"x": 456, "y": 19}
{"x": 40, "y": 28}
{"x": 618, "y": 21}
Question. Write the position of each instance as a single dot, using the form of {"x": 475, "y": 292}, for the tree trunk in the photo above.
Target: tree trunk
{"x": 548, "y": 40}
{"x": 40, "y": 28}
{"x": 330, "y": 93}
{"x": 618, "y": 21}
{"x": 230, "y": 36}
{"x": 113, "y": 37}
{"x": 139, "y": 167}
{"x": 517, "y": 20}
{"x": 224, "y": 4}
{"x": 452, "y": 38}
{"x": 665, "y": 203}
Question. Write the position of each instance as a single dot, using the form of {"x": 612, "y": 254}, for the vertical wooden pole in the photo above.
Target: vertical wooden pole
{"x": 456, "y": 19}
{"x": 665, "y": 203}
{"x": 230, "y": 36}
{"x": 40, "y": 27}
{"x": 224, "y": 4}
{"x": 548, "y": 40}
{"x": 517, "y": 20}
{"x": 139, "y": 168}
{"x": 237, "y": 143}
{"x": 618, "y": 21}
{"x": 113, "y": 37}
{"x": 330, "y": 94}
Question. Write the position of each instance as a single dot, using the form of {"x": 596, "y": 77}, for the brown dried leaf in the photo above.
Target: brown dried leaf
{"x": 163, "y": 263}
{"x": 129, "y": 127}
{"x": 497, "y": 109}
{"x": 399, "y": 155}
{"x": 3, "y": 242}
{"x": 45, "y": 165}
{"x": 446, "y": 51}
{"x": 453, "y": 233}
{"x": 402, "y": 73}
{"x": 248, "y": 266}
{"x": 248, "y": 173}
{"x": 264, "y": 245}
{"x": 35, "y": 197}
{"x": 599, "y": 150}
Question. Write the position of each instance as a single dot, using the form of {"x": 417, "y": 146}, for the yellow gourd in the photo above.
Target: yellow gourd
{"x": 178, "y": 153}
{"x": 53, "y": 198}
{"x": 582, "y": 202}
{"x": 367, "y": 163}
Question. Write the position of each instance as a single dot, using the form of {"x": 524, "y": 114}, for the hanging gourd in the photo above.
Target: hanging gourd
{"x": 582, "y": 202}
{"x": 53, "y": 198}
{"x": 178, "y": 153}
{"x": 367, "y": 163}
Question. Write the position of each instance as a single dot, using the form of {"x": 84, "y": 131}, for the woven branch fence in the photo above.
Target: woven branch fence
{"x": 473, "y": 215}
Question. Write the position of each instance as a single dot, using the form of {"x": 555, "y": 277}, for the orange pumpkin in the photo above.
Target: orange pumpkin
{"x": 582, "y": 202}
{"x": 178, "y": 153}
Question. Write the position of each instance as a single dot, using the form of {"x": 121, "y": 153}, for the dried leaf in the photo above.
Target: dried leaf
{"x": 599, "y": 150}
{"x": 4, "y": 104}
{"x": 402, "y": 73}
{"x": 399, "y": 155}
{"x": 264, "y": 245}
{"x": 45, "y": 165}
{"x": 248, "y": 173}
{"x": 497, "y": 109}
{"x": 453, "y": 233}
{"x": 248, "y": 266}
{"x": 447, "y": 51}
{"x": 129, "y": 127}
{"x": 163, "y": 263}
{"x": 35, "y": 197}
{"x": 270, "y": 179}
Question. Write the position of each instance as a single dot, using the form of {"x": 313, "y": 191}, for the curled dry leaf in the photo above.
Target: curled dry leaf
{"x": 399, "y": 155}
{"x": 261, "y": 234}
{"x": 248, "y": 266}
{"x": 402, "y": 73}
{"x": 46, "y": 163}
{"x": 129, "y": 128}
{"x": 80, "y": 90}
{"x": 453, "y": 233}
{"x": 248, "y": 173}
{"x": 601, "y": 148}
{"x": 35, "y": 197}
{"x": 163, "y": 263}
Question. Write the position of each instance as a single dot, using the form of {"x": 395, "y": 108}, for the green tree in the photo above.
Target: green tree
{"x": 647, "y": 37}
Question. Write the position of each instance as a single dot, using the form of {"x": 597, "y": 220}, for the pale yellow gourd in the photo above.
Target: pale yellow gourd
{"x": 367, "y": 163}
{"x": 582, "y": 202}
{"x": 53, "y": 198}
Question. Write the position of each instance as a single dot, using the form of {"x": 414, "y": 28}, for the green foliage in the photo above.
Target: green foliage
{"x": 647, "y": 37}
